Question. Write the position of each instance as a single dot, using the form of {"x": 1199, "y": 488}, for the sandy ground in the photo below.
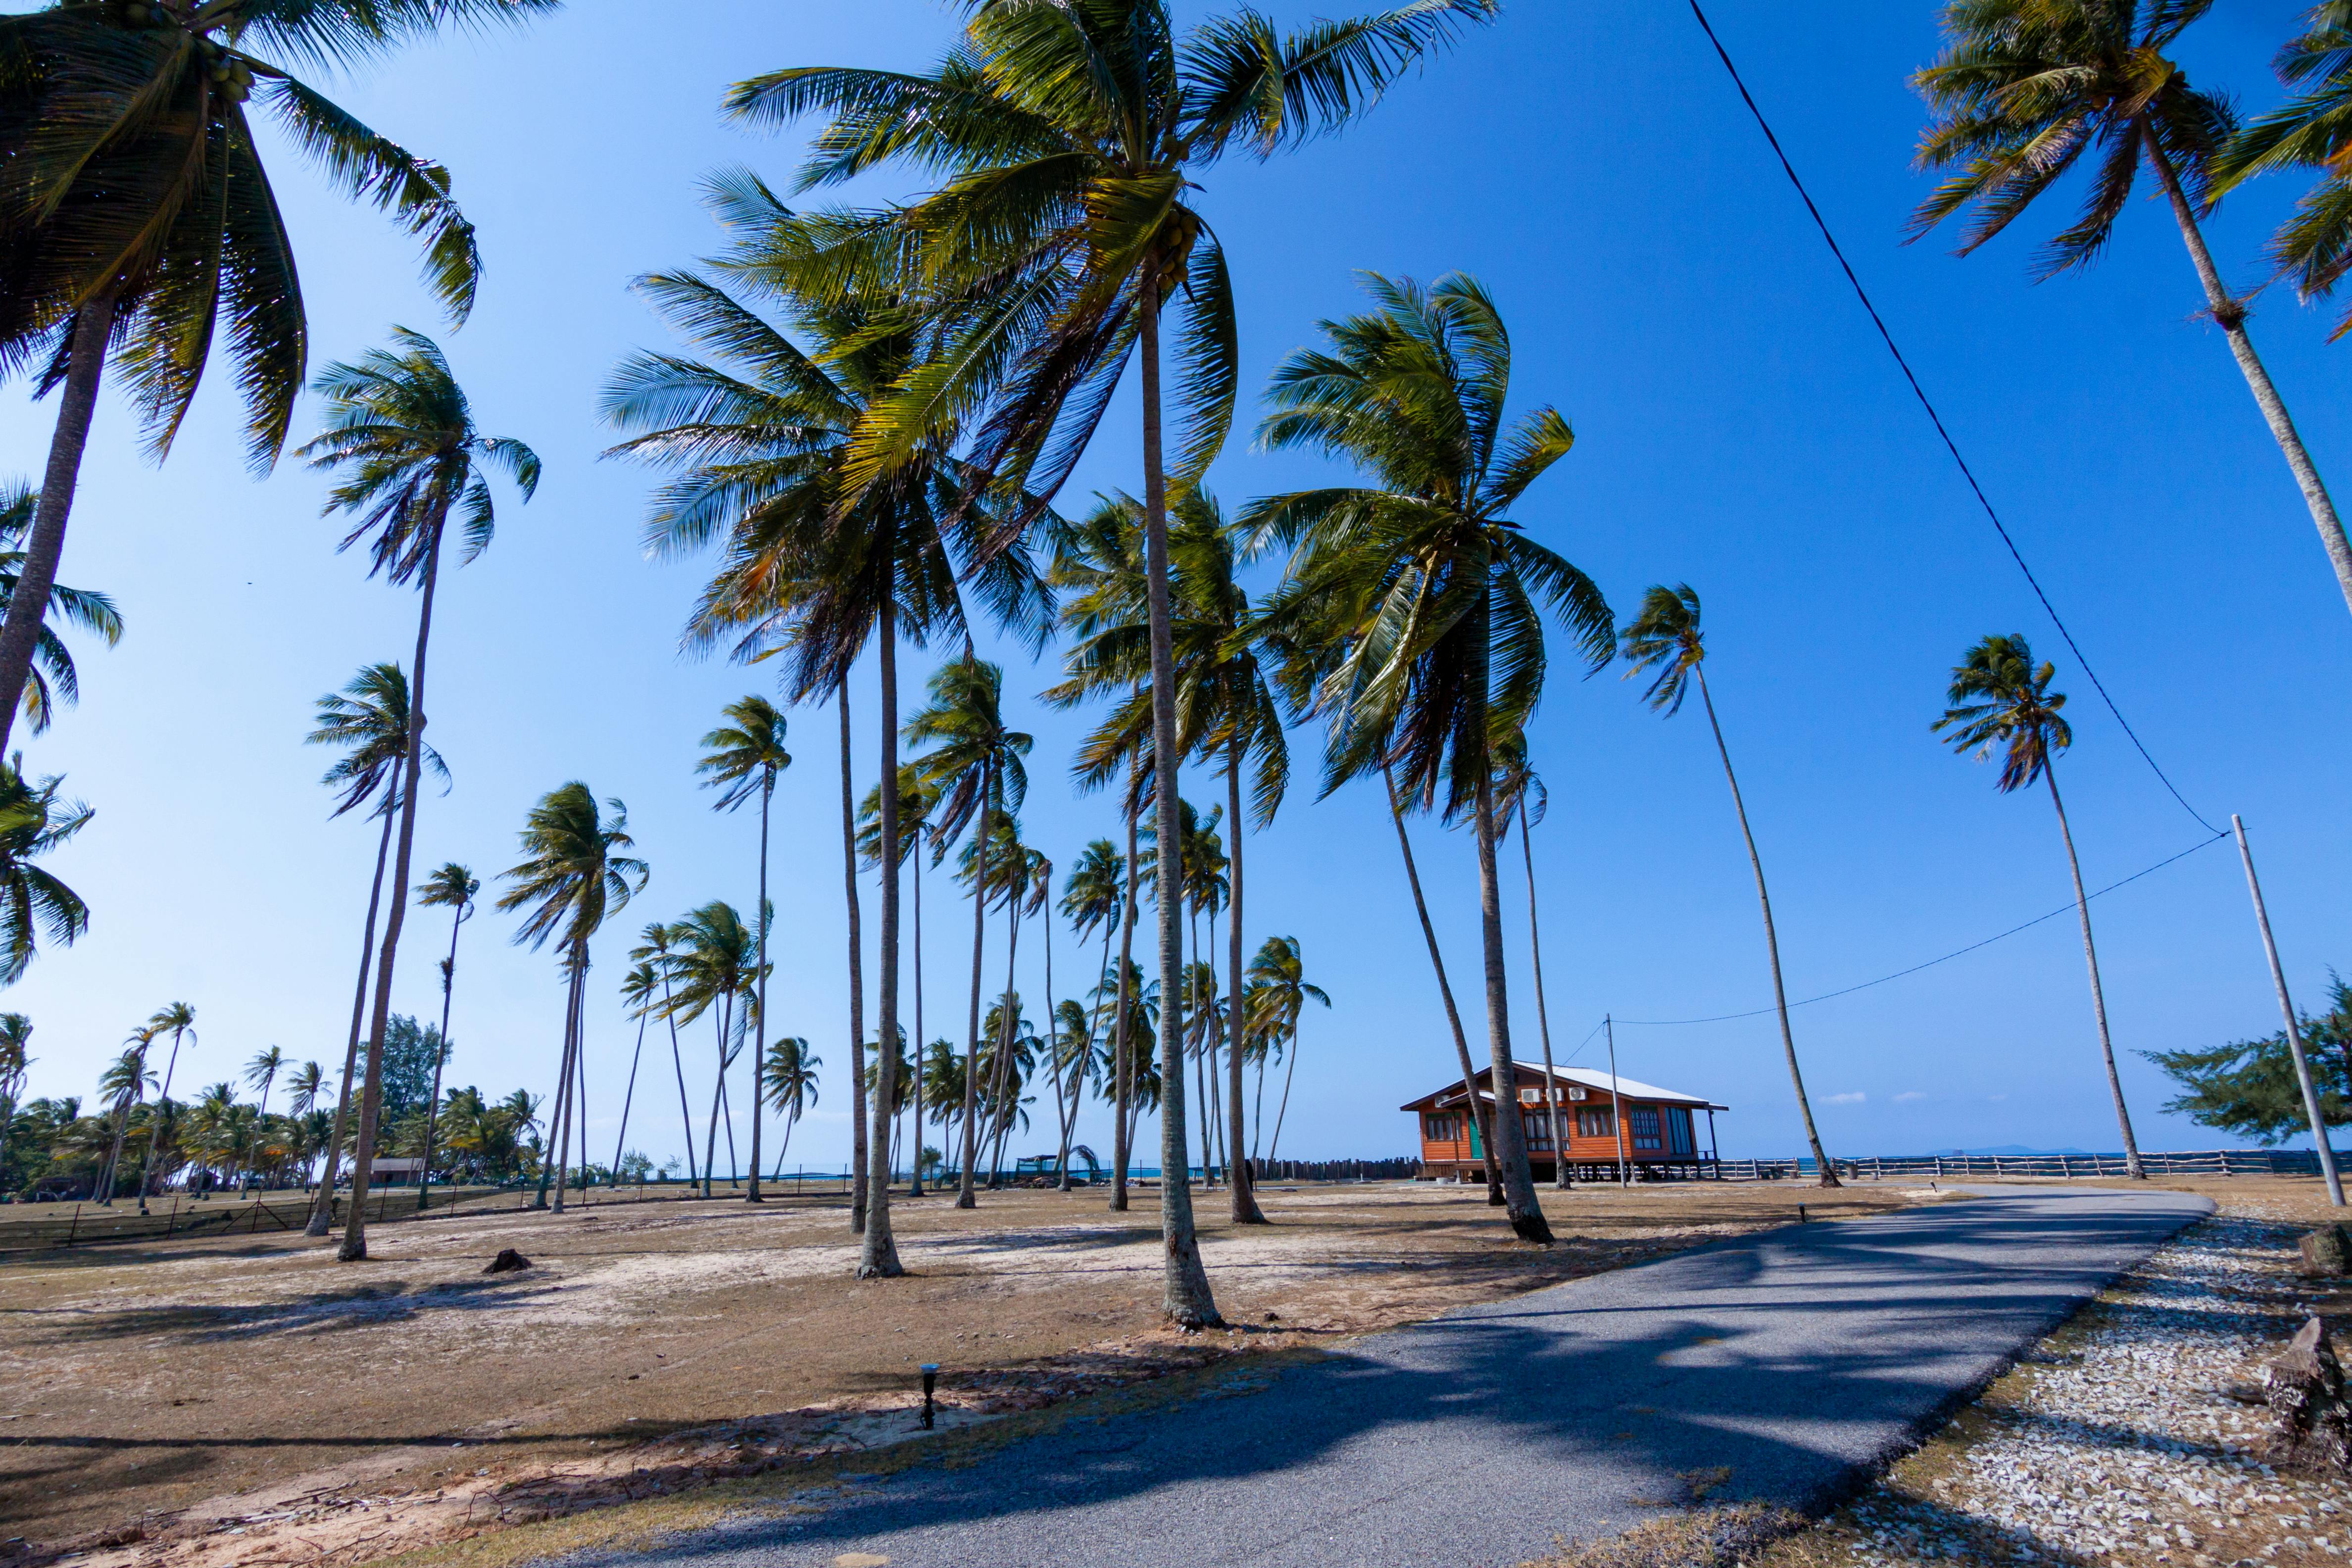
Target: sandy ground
{"x": 248, "y": 1400}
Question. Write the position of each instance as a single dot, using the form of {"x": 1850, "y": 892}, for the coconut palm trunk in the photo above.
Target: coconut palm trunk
{"x": 1239, "y": 1180}
{"x": 107, "y": 1173}
{"x": 20, "y": 632}
{"x": 717, "y": 1098}
{"x": 1122, "y": 1071}
{"x": 354, "y": 1246}
{"x": 858, "y": 1130}
{"x": 999, "y": 1081}
{"x": 678, "y": 1063}
{"x": 322, "y": 1208}
{"x": 155, "y": 1122}
{"x": 567, "y": 1108}
{"x": 1446, "y": 993}
{"x": 433, "y": 1106}
{"x": 1543, "y": 1014}
{"x": 1526, "y": 1212}
{"x": 2232, "y": 315}
{"x": 878, "y": 1255}
{"x": 1289, "y": 1068}
{"x": 2132, "y": 1166}
{"x": 1078, "y": 1091}
{"x": 760, "y": 1004}
{"x": 915, "y": 1166}
{"x": 964, "y": 1195}
{"x": 1186, "y": 1298}
{"x": 628, "y": 1098}
{"x": 1828, "y": 1176}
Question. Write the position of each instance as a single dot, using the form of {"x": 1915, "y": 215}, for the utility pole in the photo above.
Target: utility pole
{"x": 2287, "y": 1011}
{"x": 1616, "y": 1103}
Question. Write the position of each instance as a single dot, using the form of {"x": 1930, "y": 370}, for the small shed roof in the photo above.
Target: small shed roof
{"x": 1532, "y": 1073}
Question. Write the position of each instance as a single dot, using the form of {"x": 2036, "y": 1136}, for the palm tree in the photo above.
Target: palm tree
{"x": 656, "y": 949}
{"x": 1425, "y": 600}
{"x": 124, "y": 1084}
{"x": 640, "y": 989}
{"x": 745, "y": 755}
{"x": 303, "y": 1085}
{"x": 1099, "y": 565}
{"x": 1516, "y": 784}
{"x": 262, "y": 1072}
{"x": 1666, "y": 637}
{"x": 51, "y": 678}
{"x": 761, "y": 439}
{"x": 1071, "y": 135}
{"x": 975, "y": 763}
{"x": 34, "y": 903}
{"x": 1999, "y": 698}
{"x": 142, "y": 218}
{"x": 716, "y": 965}
{"x": 400, "y": 430}
{"x": 1279, "y": 993}
{"x": 370, "y": 720}
{"x": 2314, "y": 249}
{"x": 788, "y": 1079}
{"x": 1093, "y": 896}
{"x": 2026, "y": 88}
{"x": 15, "y": 1035}
{"x": 918, "y": 798}
{"x": 451, "y": 888}
{"x": 1227, "y": 714}
{"x": 180, "y": 1018}
{"x": 571, "y": 878}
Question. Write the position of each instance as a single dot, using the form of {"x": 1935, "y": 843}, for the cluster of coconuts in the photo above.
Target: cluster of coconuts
{"x": 232, "y": 76}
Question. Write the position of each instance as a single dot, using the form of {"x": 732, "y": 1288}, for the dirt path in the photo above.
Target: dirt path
{"x": 180, "y": 1395}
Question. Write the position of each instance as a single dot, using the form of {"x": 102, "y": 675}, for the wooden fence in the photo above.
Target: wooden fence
{"x": 2211, "y": 1163}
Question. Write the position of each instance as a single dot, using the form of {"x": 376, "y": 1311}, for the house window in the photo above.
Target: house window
{"x": 1643, "y": 1120}
{"x": 1679, "y": 1132}
{"x": 1595, "y": 1121}
{"x": 1442, "y": 1128}
{"x": 1538, "y": 1126}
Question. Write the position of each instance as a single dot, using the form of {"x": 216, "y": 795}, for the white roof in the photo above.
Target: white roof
{"x": 1589, "y": 1078}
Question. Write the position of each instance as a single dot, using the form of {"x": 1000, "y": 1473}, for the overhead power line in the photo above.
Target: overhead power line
{"x": 1938, "y": 420}
{"x": 1956, "y": 952}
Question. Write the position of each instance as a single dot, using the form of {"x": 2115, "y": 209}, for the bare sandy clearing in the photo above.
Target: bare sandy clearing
{"x": 250, "y": 1384}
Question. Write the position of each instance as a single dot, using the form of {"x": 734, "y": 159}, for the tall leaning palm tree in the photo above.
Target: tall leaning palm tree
{"x": 759, "y": 435}
{"x": 2026, "y": 90}
{"x": 1419, "y": 602}
{"x": 401, "y": 433}
{"x": 1520, "y": 793}
{"x": 1666, "y": 642}
{"x": 124, "y": 1084}
{"x": 1999, "y": 698}
{"x": 715, "y": 968}
{"x": 975, "y": 763}
{"x": 451, "y": 888}
{"x": 370, "y": 720}
{"x": 570, "y": 880}
{"x": 141, "y": 221}
{"x": 788, "y": 1081}
{"x": 743, "y": 759}
{"x": 1071, "y": 134}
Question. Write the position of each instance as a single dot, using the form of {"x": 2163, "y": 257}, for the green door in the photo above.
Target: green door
{"x": 1477, "y": 1144}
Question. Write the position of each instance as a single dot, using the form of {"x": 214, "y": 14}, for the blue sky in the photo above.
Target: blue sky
{"x": 1739, "y": 427}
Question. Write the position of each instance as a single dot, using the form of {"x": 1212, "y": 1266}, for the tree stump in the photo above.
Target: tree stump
{"x": 507, "y": 1262}
{"x": 2326, "y": 1251}
{"x": 2304, "y": 1390}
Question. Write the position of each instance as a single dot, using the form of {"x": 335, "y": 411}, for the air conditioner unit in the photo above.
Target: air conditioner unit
{"x": 1531, "y": 1097}
{"x": 1579, "y": 1093}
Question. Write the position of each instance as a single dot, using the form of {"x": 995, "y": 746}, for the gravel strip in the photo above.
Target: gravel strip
{"x": 2132, "y": 1436}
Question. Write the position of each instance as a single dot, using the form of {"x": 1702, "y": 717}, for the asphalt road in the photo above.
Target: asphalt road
{"x": 1794, "y": 1358}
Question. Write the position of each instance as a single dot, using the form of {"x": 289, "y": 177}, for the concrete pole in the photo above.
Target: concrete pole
{"x": 2286, "y": 1010}
{"x": 1616, "y": 1101}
